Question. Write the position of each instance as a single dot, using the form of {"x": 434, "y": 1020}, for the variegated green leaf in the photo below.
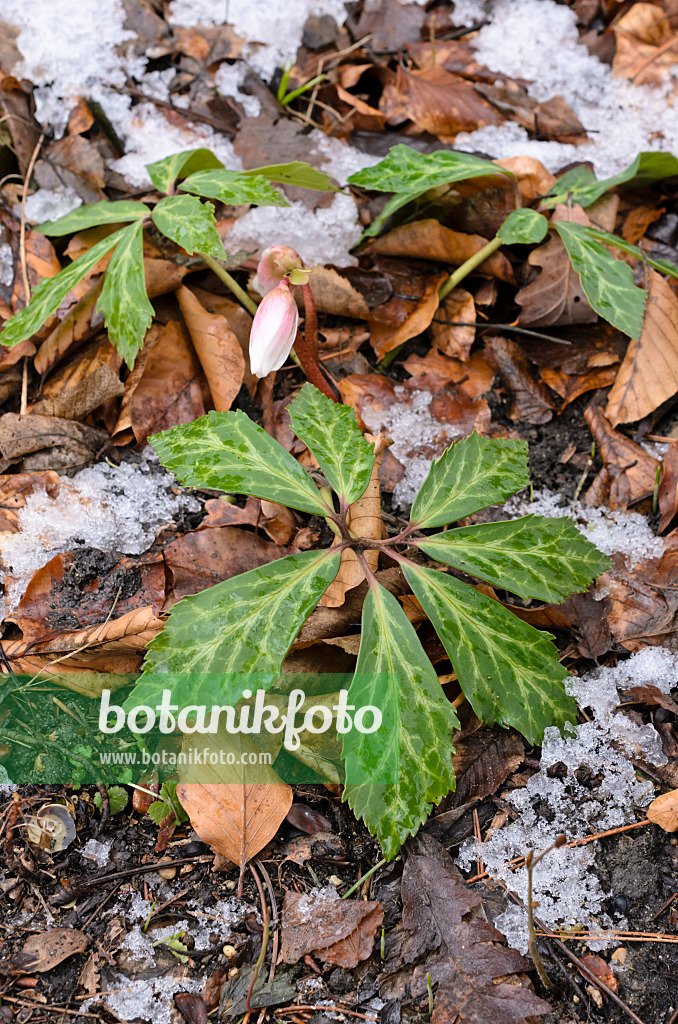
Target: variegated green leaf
{"x": 216, "y": 642}
{"x": 234, "y": 188}
{"x": 407, "y": 170}
{"x": 522, "y": 227}
{"x": 92, "y": 216}
{"x": 163, "y": 173}
{"x": 663, "y": 266}
{"x": 468, "y": 476}
{"x": 50, "y": 292}
{"x": 584, "y": 188}
{"x": 227, "y": 451}
{"x": 331, "y": 432}
{"x": 298, "y": 173}
{"x": 535, "y": 557}
{"x": 508, "y": 670}
{"x": 607, "y": 282}
{"x": 191, "y": 224}
{"x": 124, "y": 300}
{"x": 396, "y": 775}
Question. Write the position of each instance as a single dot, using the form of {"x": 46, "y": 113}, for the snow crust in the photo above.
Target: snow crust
{"x": 50, "y": 204}
{"x": 99, "y": 852}
{"x": 566, "y": 886}
{"x": 229, "y": 80}
{"x": 6, "y": 265}
{"x": 537, "y": 40}
{"x": 110, "y": 508}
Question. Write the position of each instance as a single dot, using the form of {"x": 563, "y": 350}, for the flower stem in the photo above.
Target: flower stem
{"x": 306, "y": 347}
{"x": 466, "y": 268}
{"x": 230, "y": 282}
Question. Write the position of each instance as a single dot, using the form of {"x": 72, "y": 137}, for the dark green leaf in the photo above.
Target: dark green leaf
{"x": 407, "y": 170}
{"x": 586, "y": 189}
{"x": 237, "y": 633}
{"x": 523, "y": 227}
{"x": 534, "y": 557}
{"x": 396, "y": 775}
{"x": 190, "y": 224}
{"x": 233, "y": 188}
{"x": 468, "y": 476}
{"x": 663, "y": 266}
{"x": 331, "y": 432}
{"x": 163, "y": 173}
{"x": 117, "y": 799}
{"x": 508, "y": 670}
{"x": 167, "y": 803}
{"x": 92, "y": 216}
{"x": 607, "y": 282}
{"x": 298, "y": 173}
{"x": 51, "y": 291}
{"x": 124, "y": 301}
{"x": 227, "y": 451}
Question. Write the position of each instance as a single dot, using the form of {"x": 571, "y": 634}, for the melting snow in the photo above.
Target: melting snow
{"x": 537, "y": 40}
{"x": 110, "y": 508}
{"x": 97, "y": 851}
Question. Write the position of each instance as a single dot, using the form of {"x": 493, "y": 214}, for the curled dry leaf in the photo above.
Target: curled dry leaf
{"x": 441, "y": 103}
{"x": 400, "y": 319}
{"x": 364, "y": 519}
{"x": 204, "y": 557}
{"x": 430, "y": 240}
{"x": 483, "y": 760}
{"x": 668, "y": 488}
{"x": 217, "y": 347}
{"x": 628, "y": 474}
{"x": 663, "y": 811}
{"x": 533, "y": 179}
{"x": 333, "y": 293}
{"x": 602, "y": 970}
{"x": 452, "y": 338}
{"x": 83, "y": 385}
{"x": 35, "y": 443}
{"x": 47, "y": 949}
{"x": 434, "y": 371}
{"x": 530, "y": 400}
{"x": 643, "y": 601}
{"x": 41, "y": 262}
{"x": 339, "y": 932}
{"x": 554, "y": 119}
{"x": 648, "y": 376}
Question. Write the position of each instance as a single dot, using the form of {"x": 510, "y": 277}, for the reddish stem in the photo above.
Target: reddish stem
{"x": 307, "y": 349}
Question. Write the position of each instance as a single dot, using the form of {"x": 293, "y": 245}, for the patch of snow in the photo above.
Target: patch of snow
{"x": 229, "y": 80}
{"x": 6, "y": 265}
{"x": 97, "y": 851}
{"x": 467, "y": 12}
{"x": 139, "y": 946}
{"x": 337, "y": 158}
{"x": 50, "y": 204}
{"x": 113, "y": 509}
{"x": 150, "y": 999}
{"x": 417, "y": 436}
{"x": 566, "y": 886}
{"x": 66, "y": 48}
{"x": 537, "y": 40}
{"x": 272, "y": 30}
{"x": 320, "y": 236}
{"x": 611, "y": 530}
{"x": 306, "y": 906}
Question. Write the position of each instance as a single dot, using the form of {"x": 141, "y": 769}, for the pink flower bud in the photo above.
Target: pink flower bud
{"x": 273, "y": 330}
{"x": 275, "y": 263}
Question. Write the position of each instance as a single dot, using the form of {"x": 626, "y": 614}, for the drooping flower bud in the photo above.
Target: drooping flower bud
{"x": 273, "y": 330}
{"x": 276, "y": 262}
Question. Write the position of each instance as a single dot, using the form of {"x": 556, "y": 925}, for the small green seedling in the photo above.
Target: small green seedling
{"x": 508, "y": 671}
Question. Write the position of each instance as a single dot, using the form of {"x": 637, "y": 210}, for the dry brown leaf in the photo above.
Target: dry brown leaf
{"x": 172, "y": 388}
{"x": 556, "y": 295}
{"x": 483, "y": 761}
{"x": 400, "y": 319}
{"x": 639, "y": 33}
{"x": 218, "y": 349}
{"x": 663, "y": 811}
{"x": 441, "y": 103}
{"x": 668, "y": 488}
{"x": 434, "y": 371}
{"x": 364, "y": 519}
{"x": 638, "y": 221}
{"x": 200, "y": 559}
{"x": 80, "y": 323}
{"x": 15, "y": 488}
{"x": 47, "y": 949}
{"x": 115, "y": 646}
{"x": 338, "y": 932}
{"x": 430, "y": 240}
{"x": 451, "y": 338}
{"x": 75, "y": 163}
{"x": 10, "y": 356}
{"x": 36, "y": 443}
{"x": 534, "y": 180}
{"x": 81, "y": 118}
{"x": 530, "y": 400}
{"x": 83, "y": 385}
{"x": 237, "y": 821}
{"x": 334, "y": 294}
{"x": 602, "y": 971}
{"x": 648, "y": 375}
{"x": 240, "y": 322}
{"x": 554, "y": 119}
{"x": 41, "y": 262}
{"x": 571, "y": 385}
{"x": 653, "y": 697}
{"x": 628, "y": 474}
{"x": 643, "y": 601}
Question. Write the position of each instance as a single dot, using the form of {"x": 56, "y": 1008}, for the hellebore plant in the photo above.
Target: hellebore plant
{"x": 244, "y": 627}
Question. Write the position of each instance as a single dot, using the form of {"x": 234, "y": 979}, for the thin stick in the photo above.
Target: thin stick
{"x": 264, "y": 943}
{"x": 24, "y": 263}
{"x": 230, "y": 282}
{"x": 368, "y": 874}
